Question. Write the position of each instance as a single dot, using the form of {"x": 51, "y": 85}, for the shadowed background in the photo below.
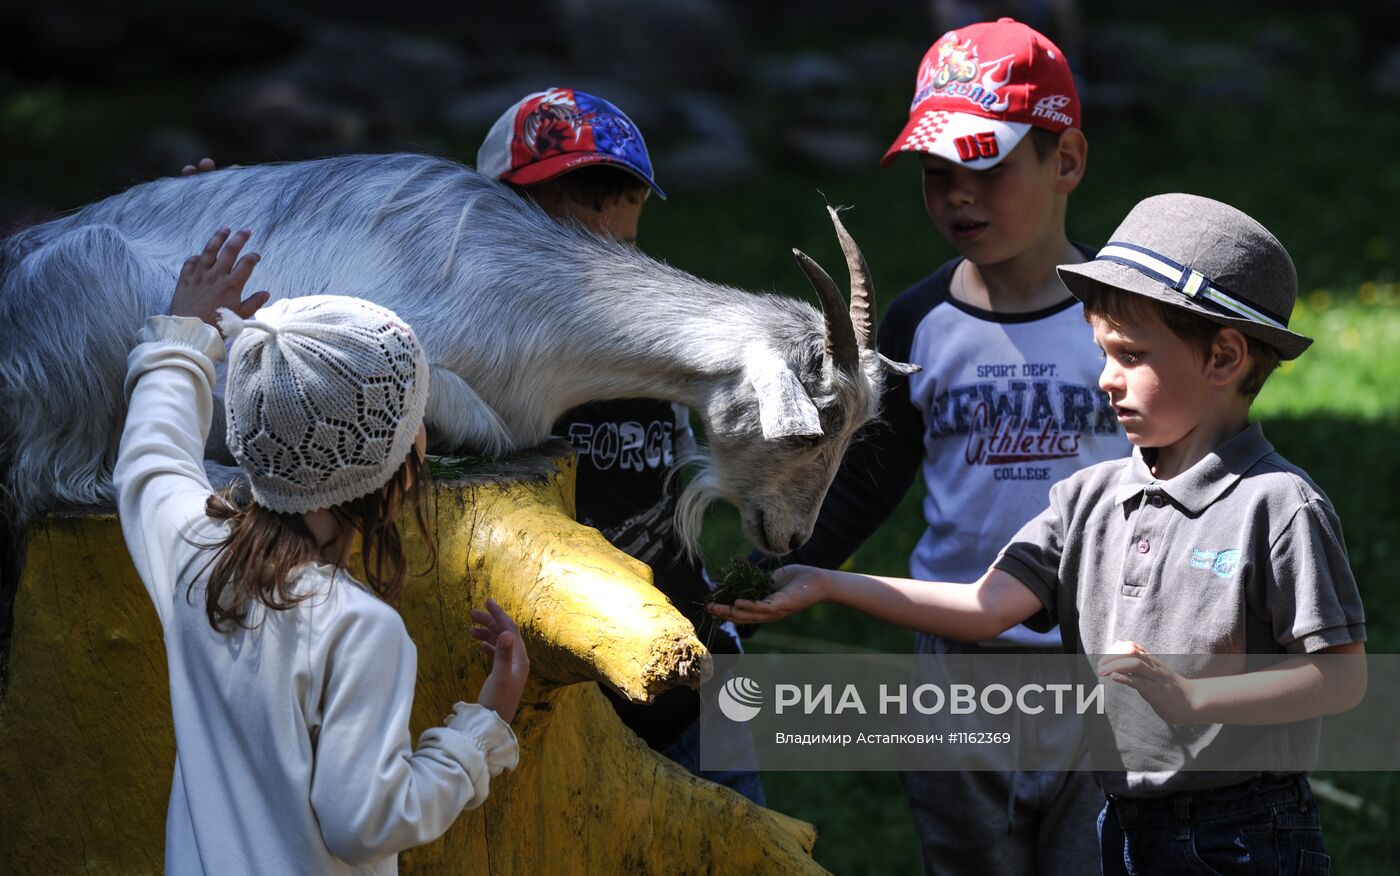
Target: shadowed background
{"x": 756, "y": 116}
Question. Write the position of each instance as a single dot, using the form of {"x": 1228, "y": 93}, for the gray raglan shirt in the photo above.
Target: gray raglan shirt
{"x": 1240, "y": 554}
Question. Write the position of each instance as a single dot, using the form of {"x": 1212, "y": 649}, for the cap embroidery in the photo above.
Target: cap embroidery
{"x": 1049, "y": 108}
{"x": 954, "y": 70}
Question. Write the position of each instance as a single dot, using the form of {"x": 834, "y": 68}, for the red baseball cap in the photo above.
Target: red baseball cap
{"x": 981, "y": 88}
{"x": 551, "y": 132}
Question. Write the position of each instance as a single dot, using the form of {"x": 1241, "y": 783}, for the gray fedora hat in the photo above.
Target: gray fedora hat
{"x": 1204, "y": 256}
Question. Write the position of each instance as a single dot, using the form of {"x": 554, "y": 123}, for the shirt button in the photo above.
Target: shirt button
{"x": 1144, "y": 546}
{"x": 1156, "y": 501}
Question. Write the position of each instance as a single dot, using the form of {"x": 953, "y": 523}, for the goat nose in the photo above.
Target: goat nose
{"x": 797, "y": 541}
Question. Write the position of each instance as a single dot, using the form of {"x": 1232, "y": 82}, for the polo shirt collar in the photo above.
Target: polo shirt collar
{"x": 1199, "y": 486}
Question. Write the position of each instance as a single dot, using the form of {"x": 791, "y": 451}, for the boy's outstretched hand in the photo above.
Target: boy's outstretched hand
{"x": 510, "y": 665}
{"x": 797, "y": 588}
{"x": 1166, "y": 691}
{"x": 215, "y": 278}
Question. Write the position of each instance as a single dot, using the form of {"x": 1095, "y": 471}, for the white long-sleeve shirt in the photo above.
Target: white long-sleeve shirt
{"x": 293, "y": 752}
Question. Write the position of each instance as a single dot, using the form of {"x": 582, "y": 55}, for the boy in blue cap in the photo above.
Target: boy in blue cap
{"x": 581, "y": 158}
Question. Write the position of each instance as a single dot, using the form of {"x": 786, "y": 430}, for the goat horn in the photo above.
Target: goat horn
{"x": 840, "y": 334}
{"x": 862, "y": 287}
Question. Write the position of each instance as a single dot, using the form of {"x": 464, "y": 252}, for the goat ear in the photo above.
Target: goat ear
{"x": 893, "y": 367}
{"x": 784, "y": 408}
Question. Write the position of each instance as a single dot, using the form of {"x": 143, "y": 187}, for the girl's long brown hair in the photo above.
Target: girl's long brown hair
{"x": 255, "y": 562}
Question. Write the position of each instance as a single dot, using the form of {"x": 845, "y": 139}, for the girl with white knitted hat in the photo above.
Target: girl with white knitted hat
{"x": 291, "y": 683}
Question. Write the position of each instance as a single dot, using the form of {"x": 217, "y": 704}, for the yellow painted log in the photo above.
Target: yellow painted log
{"x": 86, "y": 748}
{"x": 591, "y": 607}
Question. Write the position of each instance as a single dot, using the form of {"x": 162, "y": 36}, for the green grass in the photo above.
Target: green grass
{"x": 1351, "y": 372}
{"x": 1335, "y": 412}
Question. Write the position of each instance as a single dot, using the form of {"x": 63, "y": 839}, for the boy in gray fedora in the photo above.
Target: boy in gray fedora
{"x": 1204, "y": 542}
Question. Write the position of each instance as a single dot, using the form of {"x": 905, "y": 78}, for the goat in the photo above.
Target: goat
{"x": 522, "y": 316}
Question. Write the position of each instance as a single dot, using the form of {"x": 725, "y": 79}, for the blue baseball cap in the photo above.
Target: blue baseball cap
{"x": 552, "y": 132}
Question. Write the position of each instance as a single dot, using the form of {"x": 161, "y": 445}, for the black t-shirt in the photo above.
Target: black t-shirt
{"x": 625, "y": 448}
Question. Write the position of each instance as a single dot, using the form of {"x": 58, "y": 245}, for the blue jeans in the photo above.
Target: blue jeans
{"x": 993, "y": 822}
{"x": 686, "y": 752}
{"x": 1266, "y": 825}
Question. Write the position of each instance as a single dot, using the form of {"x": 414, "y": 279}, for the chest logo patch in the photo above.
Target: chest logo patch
{"x": 1221, "y": 563}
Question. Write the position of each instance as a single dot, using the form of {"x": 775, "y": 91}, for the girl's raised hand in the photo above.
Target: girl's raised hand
{"x": 510, "y": 665}
{"x": 215, "y": 278}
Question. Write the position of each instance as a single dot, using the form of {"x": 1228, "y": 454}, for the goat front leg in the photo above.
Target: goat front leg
{"x": 460, "y": 420}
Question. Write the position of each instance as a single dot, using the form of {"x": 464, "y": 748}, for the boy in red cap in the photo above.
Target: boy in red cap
{"x": 580, "y": 158}
{"x": 1006, "y": 404}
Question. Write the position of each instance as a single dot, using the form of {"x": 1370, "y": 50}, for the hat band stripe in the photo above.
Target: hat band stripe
{"x": 1193, "y": 284}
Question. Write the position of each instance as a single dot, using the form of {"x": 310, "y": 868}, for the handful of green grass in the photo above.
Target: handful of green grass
{"x": 741, "y": 579}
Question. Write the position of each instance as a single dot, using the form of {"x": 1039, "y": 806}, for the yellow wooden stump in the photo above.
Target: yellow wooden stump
{"x": 86, "y": 747}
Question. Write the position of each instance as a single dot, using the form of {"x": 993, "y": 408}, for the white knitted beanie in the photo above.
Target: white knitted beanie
{"x": 325, "y": 397}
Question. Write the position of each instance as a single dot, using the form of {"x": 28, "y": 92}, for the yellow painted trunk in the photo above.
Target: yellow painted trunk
{"x": 86, "y": 748}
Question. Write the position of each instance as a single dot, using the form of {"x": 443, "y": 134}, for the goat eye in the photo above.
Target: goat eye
{"x": 805, "y": 442}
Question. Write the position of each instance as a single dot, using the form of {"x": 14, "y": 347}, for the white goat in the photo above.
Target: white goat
{"x": 523, "y": 317}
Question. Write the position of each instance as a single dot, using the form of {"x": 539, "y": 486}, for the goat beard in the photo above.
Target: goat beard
{"x": 700, "y": 492}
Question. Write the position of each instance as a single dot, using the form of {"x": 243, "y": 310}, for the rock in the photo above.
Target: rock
{"x": 885, "y": 66}
{"x": 700, "y": 167}
{"x": 277, "y": 119}
{"x": 1129, "y": 55}
{"x": 164, "y": 151}
{"x": 702, "y": 143}
{"x": 395, "y": 80}
{"x": 1280, "y": 47}
{"x": 679, "y": 43}
{"x": 1386, "y": 79}
{"x": 834, "y": 149}
{"x": 55, "y": 37}
{"x": 804, "y": 73}
{"x": 1220, "y": 73}
{"x": 349, "y": 89}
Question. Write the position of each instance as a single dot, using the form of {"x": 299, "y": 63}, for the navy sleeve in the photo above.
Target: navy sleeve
{"x": 885, "y": 455}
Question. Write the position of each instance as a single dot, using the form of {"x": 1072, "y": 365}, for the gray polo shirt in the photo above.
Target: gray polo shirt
{"x": 1241, "y": 554}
